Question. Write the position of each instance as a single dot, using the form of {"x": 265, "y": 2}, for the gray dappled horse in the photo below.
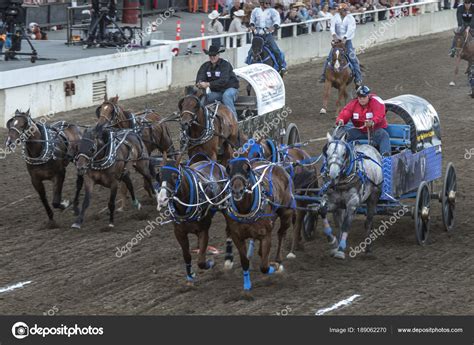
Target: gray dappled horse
{"x": 353, "y": 176}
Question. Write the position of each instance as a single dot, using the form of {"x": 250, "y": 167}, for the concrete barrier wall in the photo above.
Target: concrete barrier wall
{"x": 41, "y": 88}
{"x": 138, "y": 73}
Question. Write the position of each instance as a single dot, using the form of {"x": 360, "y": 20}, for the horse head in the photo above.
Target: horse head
{"x": 338, "y": 154}
{"x": 87, "y": 148}
{"x": 190, "y": 106}
{"x": 339, "y": 60}
{"x": 21, "y": 123}
{"x": 257, "y": 48}
{"x": 239, "y": 171}
{"x": 460, "y": 40}
{"x": 109, "y": 112}
{"x": 168, "y": 178}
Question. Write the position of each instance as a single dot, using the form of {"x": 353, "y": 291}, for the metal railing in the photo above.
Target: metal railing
{"x": 309, "y": 24}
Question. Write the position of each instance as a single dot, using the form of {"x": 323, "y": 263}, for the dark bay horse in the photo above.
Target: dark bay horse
{"x": 338, "y": 75}
{"x": 261, "y": 192}
{"x": 259, "y": 53}
{"x": 464, "y": 45}
{"x": 211, "y": 130}
{"x": 304, "y": 173}
{"x": 103, "y": 157}
{"x": 192, "y": 194}
{"x": 45, "y": 152}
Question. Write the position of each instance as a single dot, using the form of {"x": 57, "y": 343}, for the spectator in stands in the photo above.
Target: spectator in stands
{"x": 214, "y": 27}
{"x": 235, "y": 8}
{"x": 316, "y": 7}
{"x": 281, "y": 11}
{"x": 292, "y": 16}
{"x": 324, "y": 13}
{"x": 236, "y": 25}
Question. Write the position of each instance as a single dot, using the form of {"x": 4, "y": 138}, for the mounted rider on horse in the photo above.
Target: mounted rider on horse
{"x": 465, "y": 18}
{"x": 343, "y": 28}
{"x": 264, "y": 21}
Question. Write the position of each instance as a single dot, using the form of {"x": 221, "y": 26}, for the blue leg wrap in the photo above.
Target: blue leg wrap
{"x": 271, "y": 270}
{"x": 247, "y": 282}
{"x": 328, "y": 231}
{"x": 342, "y": 245}
{"x": 209, "y": 264}
{"x": 189, "y": 273}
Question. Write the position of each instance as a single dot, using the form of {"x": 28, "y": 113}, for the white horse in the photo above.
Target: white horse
{"x": 353, "y": 176}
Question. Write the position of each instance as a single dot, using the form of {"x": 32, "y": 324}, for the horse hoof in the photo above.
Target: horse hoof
{"x": 452, "y": 83}
{"x": 291, "y": 256}
{"x": 111, "y": 225}
{"x": 64, "y": 204}
{"x": 280, "y": 269}
{"x": 136, "y": 205}
{"x": 76, "y": 226}
{"x": 228, "y": 265}
{"x": 322, "y": 111}
{"x": 339, "y": 255}
{"x": 334, "y": 244}
{"x": 52, "y": 224}
{"x": 120, "y": 209}
{"x": 190, "y": 283}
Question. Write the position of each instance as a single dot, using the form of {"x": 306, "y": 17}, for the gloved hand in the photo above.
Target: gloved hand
{"x": 369, "y": 123}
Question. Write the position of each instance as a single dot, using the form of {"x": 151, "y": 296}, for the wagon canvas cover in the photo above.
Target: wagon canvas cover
{"x": 422, "y": 118}
{"x": 267, "y": 84}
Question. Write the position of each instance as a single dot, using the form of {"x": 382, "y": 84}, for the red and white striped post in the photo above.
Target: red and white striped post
{"x": 178, "y": 30}
{"x": 203, "y": 41}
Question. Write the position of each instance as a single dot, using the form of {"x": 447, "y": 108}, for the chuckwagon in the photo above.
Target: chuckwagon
{"x": 414, "y": 169}
{"x": 264, "y": 113}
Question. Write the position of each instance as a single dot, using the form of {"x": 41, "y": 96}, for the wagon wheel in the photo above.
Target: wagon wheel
{"x": 448, "y": 197}
{"x": 292, "y": 135}
{"x": 310, "y": 222}
{"x": 422, "y": 213}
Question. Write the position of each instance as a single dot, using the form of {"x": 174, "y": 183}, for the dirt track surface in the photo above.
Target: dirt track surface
{"x": 77, "y": 271}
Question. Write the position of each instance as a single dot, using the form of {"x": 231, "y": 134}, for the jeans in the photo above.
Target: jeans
{"x": 379, "y": 137}
{"x": 270, "y": 42}
{"x": 228, "y": 97}
{"x": 351, "y": 55}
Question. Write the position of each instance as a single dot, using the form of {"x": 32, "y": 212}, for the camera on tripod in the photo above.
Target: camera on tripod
{"x": 12, "y": 30}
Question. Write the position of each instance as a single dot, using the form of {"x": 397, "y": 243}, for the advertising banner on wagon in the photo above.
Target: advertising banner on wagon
{"x": 267, "y": 84}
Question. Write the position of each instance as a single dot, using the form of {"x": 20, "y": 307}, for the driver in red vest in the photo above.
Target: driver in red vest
{"x": 367, "y": 111}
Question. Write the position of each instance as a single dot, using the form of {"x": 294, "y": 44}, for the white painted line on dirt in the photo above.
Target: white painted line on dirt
{"x": 14, "y": 286}
{"x": 16, "y": 202}
{"x": 343, "y": 303}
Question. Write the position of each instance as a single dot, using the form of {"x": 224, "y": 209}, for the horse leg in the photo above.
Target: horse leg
{"x": 128, "y": 182}
{"x": 371, "y": 208}
{"x": 285, "y": 223}
{"x": 113, "y": 196}
{"x": 203, "y": 240}
{"x": 39, "y": 187}
{"x": 326, "y": 94}
{"x": 346, "y": 225}
{"x": 140, "y": 166}
{"x": 89, "y": 186}
{"x": 183, "y": 241}
{"x": 229, "y": 257}
{"x": 123, "y": 196}
{"x": 266, "y": 244}
{"x": 79, "y": 183}
{"x": 340, "y": 97}
{"x": 58, "y": 190}
{"x": 244, "y": 261}
{"x": 296, "y": 242}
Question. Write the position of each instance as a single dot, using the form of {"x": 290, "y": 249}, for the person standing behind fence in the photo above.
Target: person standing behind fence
{"x": 237, "y": 26}
{"x": 214, "y": 27}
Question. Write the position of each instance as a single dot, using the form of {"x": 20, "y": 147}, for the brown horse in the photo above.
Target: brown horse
{"x": 154, "y": 133}
{"x": 260, "y": 193}
{"x": 45, "y": 152}
{"x": 464, "y": 45}
{"x": 103, "y": 158}
{"x": 338, "y": 76}
{"x": 211, "y": 130}
{"x": 304, "y": 173}
{"x": 191, "y": 206}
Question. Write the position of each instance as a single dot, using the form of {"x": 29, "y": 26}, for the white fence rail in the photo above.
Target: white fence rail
{"x": 232, "y": 43}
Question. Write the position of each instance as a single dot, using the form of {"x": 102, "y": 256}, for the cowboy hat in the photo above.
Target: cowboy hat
{"x": 299, "y": 4}
{"x": 213, "y": 50}
{"x": 239, "y": 13}
{"x": 213, "y": 15}
{"x": 343, "y": 6}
